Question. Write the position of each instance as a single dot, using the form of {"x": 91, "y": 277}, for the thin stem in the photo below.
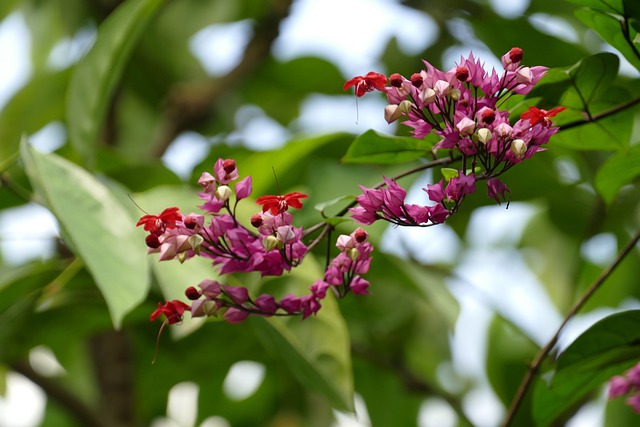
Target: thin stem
{"x": 544, "y": 352}
{"x": 601, "y": 115}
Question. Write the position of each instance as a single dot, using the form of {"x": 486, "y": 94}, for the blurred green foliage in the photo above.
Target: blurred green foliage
{"x": 139, "y": 88}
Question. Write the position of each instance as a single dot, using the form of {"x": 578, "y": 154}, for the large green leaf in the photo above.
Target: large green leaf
{"x": 97, "y": 75}
{"x": 375, "y": 147}
{"x": 608, "y": 6}
{"x": 98, "y": 226}
{"x": 605, "y": 349}
{"x": 316, "y": 350}
{"x": 615, "y": 30}
{"x": 619, "y": 170}
{"x": 586, "y": 89}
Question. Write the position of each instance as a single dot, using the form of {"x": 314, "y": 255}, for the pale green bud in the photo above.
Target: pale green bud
{"x": 270, "y": 242}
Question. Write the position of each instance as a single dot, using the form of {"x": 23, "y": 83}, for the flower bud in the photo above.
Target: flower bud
{"x": 441, "y": 88}
{"x": 210, "y": 308}
{"x": 396, "y": 80}
{"x": 195, "y": 241}
{"x": 256, "y": 220}
{"x": 223, "y": 193}
{"x": 270, "y": 242}
{"x": 360, "y": 235}
{"x": 519, "y": 148}
{"x": 229, "y": 165}
{"x": 353, "y": 254}
{"x": 416, "y": 79}
{"x": 484, "y": 135}
{"x": 462, "y": 73}
{"x": 466, "y": 126}
{"x": 405, "y": 106}
{"x": 392, "y": 113}
{"x": 152, "y": 241}
{"x": 192, "y": 293}
{"x": 455, "y": 94}
{"x": 524, "y": 75}
{"x": 427, "y": 96}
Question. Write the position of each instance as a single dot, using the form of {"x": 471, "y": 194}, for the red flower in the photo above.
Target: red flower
{"x": 172, "y": 309}
{"x": 367, "y": 83}
{"x": 536, "y": 115}
{"x": 158, "y": 223}
{"x": 279, "y": 204}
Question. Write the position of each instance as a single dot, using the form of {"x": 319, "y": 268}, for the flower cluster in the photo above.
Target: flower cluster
{"x": 271, "y": 246}
{"x": 627, "y": 385}
{"x": 463, "y": 108}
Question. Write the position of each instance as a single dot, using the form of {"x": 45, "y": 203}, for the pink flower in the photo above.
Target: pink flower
{"x": 225, "y": 171}
{"x": 618, "y": 386}
{"x": 511, "y": 60}
{"x": 238, "y": 294}
{"x": 243, "y": 188}
{"x": 634, "y": 402}
{"x": 497, "y": 189}
{"x": 359, "y": 286}
{"x": 290, "y": 304}
{"x": 235, "y": 315}
{"x": 267, "y": 304}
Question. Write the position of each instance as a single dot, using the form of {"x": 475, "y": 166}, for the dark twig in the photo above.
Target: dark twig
{"x": 544, "y": 352}
{"x": 599, "y": 116}
{"x": 85, "y": 415}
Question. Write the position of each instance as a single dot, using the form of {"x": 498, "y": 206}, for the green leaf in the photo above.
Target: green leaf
{"x": 38, "y": 103}
{"x": 619, "y": 170}
{"x": 97, "y": 75}
{"x": 316, "y": 351}
{"x": 609, "y": 27}
{"x": 374, "y": 147}
{"x": 607, "y": 6}
{"x": 322, "y": 207}
{"x": 98, "y": 226}
{"x": 607, "y": 348}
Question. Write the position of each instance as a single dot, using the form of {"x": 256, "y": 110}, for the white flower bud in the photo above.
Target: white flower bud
{"x": 441, "y": 88}
{"x": 519, "y": 148}
{"x": 392, "y": 113}
{"x": 466, "y": 126}
{"x": 455, "y": 94}
{"x": 484, "y": 135}
{"x": 427, "y": 96}
{"x": 223, "y": 193}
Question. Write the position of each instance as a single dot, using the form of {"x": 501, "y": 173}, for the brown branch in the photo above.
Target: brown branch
{"x": 544, "y": 352}
{"x": 601, "y": 115}
{"x": 85, "y": 415}
{"x": 189, "y": 105}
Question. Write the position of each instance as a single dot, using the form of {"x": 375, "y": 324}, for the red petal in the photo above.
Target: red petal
{"x": 555, "y": 111}
{"x": 353, "y": 82}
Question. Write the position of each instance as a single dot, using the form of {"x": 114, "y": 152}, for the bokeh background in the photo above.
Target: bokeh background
{"x": 456, "y": 311}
